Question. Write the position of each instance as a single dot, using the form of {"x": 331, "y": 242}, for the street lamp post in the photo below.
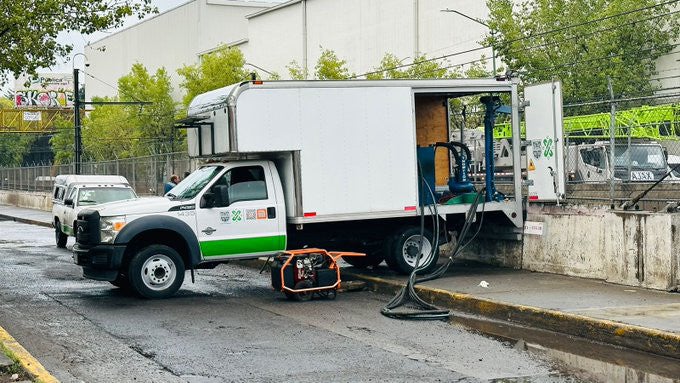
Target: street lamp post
{"x": 493, "y": 51}
{"x": 76, "y": 113}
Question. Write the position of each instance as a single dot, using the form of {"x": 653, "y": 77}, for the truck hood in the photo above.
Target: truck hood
{"x": 143, "y": 205}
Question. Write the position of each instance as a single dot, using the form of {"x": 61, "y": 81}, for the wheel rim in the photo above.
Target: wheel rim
{"x": 410, "y": 250}
{"x": 158, "y": 272}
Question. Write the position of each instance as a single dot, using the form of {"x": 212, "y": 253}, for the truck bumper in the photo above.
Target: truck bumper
{"x": 100, "y": 262}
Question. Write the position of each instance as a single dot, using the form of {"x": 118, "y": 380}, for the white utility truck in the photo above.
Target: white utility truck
{"x": 637, "y": 162}
{"x": 72, "y": 193}
{"x": 331, "y": 164}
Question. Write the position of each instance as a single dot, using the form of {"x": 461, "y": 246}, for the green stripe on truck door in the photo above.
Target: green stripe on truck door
{"x": 243, "y": 246}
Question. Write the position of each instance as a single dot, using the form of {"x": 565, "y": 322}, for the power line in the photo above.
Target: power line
{"x": 518, "y": 39}
{"x": 117, "y": 89}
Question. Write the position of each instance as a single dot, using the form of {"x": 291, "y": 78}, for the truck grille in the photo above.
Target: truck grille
{"x": 87, "y": 232}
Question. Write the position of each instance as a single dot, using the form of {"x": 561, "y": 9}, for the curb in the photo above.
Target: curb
{"x": 604, "y": 331}
{"x": 26, "y": 220}
{"x": 27, "y": 361}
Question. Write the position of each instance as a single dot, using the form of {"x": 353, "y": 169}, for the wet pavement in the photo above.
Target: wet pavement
{"x": 229, "y": 326}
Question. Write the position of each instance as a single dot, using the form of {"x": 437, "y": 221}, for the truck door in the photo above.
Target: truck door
{"x": 545, "y": 152}
{"x": 249, "y": 224}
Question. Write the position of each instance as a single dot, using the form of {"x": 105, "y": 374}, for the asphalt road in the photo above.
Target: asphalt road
{"x": 228, "y": 326}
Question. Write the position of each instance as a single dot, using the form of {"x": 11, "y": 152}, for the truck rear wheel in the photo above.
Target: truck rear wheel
{"x": 60, "y": 237}
{"x": 156, "y": 272}
{"x": 405, "y": 247}
{"x": 372, "y": 258}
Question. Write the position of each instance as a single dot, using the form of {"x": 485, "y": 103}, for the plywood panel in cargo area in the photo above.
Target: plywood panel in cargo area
{"x": 430, "y": 128}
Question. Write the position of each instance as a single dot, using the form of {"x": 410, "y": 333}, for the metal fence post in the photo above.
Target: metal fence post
{"x": 612, "y": 128}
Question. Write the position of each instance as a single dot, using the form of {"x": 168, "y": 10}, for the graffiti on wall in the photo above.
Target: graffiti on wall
{"x": 49, "y": 90}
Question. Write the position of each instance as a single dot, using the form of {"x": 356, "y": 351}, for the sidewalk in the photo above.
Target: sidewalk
{"x": 637, "y": 318}
{"x": 24, "y": 215}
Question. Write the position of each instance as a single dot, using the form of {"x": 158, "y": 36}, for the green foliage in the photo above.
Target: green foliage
{"x": 29, "y": 28}
{"x": 121, "y": 131}
{"x": 330, "y": 66}
{"x": 392, "y": 68}
{"x": 153, "y": 123}
{"x": 63, "y": 141}
{"x": 295, "y": 71}
{"x": 216, "y": 70}
{"x": 13, "y": 146}
{"x": 534, "y": 38}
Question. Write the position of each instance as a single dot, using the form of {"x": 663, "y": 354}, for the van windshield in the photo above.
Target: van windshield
{"x": 194, "y": 183}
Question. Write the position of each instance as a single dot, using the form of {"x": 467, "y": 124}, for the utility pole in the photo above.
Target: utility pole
{"x": 76, "y": 120}
{"x": 612, "y": 128}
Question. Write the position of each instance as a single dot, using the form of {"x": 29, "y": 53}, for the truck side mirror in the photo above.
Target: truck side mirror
{"x": 221, "y": 193}
{"x": 68, "y": 202}
{"x": 208, "y": 200}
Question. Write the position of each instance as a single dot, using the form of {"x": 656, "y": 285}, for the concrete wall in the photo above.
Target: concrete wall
{"x": 629, "y": 248}
{"x": 31, "y": 200}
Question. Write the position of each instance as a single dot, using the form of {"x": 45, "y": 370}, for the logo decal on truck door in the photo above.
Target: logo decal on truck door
{"x": 236, "y": 216}
{"x": 224, "y": 216}
{"x": 251, "y": 214}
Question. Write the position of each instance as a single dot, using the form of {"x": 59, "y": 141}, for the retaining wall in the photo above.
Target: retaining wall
{"x": 630, "y": 248}
{"x": 31, "y": 200}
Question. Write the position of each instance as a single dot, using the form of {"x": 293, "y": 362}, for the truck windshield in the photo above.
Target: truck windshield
{"x": 95, "y": 196}
{"x": 194, "y": 183}
{"x": 640, "y": 156}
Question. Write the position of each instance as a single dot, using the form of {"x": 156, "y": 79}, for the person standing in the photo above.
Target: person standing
{"x": 174, "y": 180}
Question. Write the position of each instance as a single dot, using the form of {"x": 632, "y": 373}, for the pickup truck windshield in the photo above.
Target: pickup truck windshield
{"x": 194, "y": 183}
{"x": 95, "y": 196}
{"x": 640, "y": 157}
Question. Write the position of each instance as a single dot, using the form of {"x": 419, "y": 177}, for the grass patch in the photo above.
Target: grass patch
{"x": 7, "y": 372}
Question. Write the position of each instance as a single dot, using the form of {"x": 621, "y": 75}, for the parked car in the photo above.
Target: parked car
{"x": 72, "y": 193}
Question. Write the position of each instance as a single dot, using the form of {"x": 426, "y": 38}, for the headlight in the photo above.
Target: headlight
{"x": 110, "y": 226}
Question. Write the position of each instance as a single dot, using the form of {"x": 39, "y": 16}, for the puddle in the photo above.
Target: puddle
{"x": 586, "y": 360}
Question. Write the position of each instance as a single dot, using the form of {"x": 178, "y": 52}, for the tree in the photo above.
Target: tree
{"x": 29, "y": 28}
{"x": 392, "y": 68}
{"x": 216, "y": 70}
{"x": 121, "y": 131}
{"x": 13, "y": 146}
{"x": 328, "y": 67}
{"x": 154, "y": 123}
{"x": 582, "y": 42}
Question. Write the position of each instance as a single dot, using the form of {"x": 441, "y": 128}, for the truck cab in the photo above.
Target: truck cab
{"x": 222, "y": 211}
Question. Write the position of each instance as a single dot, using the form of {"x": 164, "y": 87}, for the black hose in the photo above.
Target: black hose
{"x": 407, "y": 294}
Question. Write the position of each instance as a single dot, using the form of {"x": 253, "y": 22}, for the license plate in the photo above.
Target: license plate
{"x": 641, "y": 176}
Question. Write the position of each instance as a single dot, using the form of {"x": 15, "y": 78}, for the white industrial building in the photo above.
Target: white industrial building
{"x": 272, "y": 35}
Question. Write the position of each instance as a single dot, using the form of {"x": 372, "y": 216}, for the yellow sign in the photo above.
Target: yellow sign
{"x": 531, "y": 165}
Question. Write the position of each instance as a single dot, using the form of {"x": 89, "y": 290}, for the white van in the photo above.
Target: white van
{"x": 72, "y": 193}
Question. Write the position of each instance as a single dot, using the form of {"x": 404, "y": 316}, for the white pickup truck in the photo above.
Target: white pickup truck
{"x": 72, "y": 193}
{"x": 331, "y": 164}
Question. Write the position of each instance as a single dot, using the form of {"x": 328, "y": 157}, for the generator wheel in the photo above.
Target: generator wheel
{"x": 405, "y": 250}
{"x": 331, "y": 294}
{"x": 303, "y": 296}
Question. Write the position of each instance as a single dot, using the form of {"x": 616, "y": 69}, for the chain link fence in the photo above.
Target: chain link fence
{"x": 645, "y": 136}
{"x": 147, "y": 175}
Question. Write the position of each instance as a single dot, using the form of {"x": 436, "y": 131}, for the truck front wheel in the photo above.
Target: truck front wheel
{"x": 404, "y": 251}
{"x": 60, "y": 237}
{"x": 156, "y": 272}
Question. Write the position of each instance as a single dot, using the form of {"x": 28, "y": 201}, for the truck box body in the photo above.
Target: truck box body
{"x": 344, "y": 149}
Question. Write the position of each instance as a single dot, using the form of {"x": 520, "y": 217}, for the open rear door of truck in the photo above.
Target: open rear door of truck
{"x": 545, "y": 148}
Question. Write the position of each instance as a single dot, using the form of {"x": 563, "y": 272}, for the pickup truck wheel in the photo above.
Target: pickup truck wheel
{"x": 156, "y": 272}
{"x": 405, "y": 250}
{"x": 60, "y": 237}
